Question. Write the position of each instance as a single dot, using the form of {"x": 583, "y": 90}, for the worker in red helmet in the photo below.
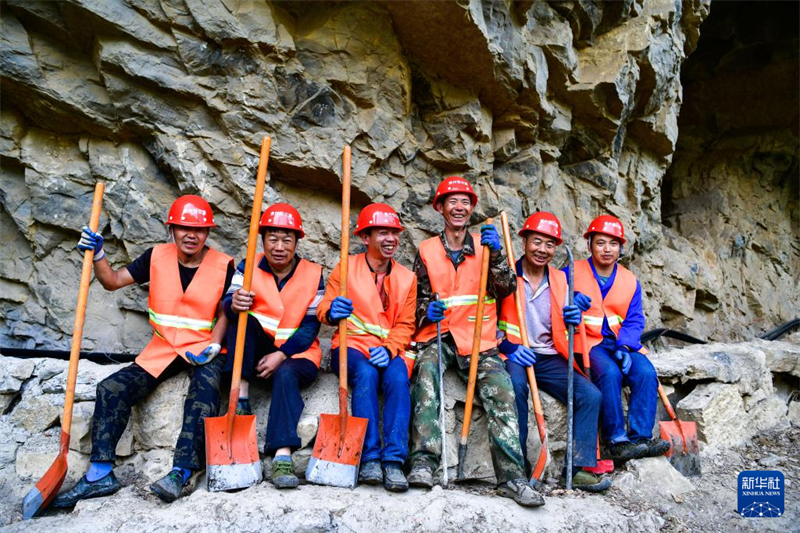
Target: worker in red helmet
{"x": 546, "y": 317}
{"x": 187, "y": 282}
{"x": 281, "y": 346}
{"x": 379, "y": 311}
{"x": 611, "y": 298}
{"x": 449, "y": 265}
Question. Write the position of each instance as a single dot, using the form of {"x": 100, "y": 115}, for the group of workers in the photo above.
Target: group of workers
{"x": 392, "y": 314}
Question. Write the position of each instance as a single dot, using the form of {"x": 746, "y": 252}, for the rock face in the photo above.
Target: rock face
{"x": 565, "y": 106}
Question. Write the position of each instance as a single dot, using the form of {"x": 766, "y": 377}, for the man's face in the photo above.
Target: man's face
{"x": 604, "y": 248}
{"x": 539, "y": 248}
{"x": 279, "y": 247}
{"x": 381, "y": 242}
{"x": 189, "y": 240}
{"x": 456, "y": 209}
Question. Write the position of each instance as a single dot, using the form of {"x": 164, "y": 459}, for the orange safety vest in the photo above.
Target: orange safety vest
{"x": 281, "y": 312}
{"x": 369, "y": 325}
{"x": 182, "y": 321}
{"x": 614, "y": 308}
{"x": 458, "y": 289}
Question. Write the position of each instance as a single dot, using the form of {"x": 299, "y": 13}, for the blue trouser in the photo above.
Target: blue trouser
{"x": 551, "y": 376}
{"x": 364, "y": 379}
{"x": 291, "y": 376}
{"x": 643, "y": 383}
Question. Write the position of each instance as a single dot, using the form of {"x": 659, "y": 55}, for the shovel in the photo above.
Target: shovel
{"x": 340, "y": 439}
{"x": 442, "y": 417}
{"x": 231, "y": 446}
{"x": 40, "y": 496}
{"x": 519, "y": 297}
{"x": 473, "y": 362}
{"x": 570, "y": 371}
{"x": 684, "y": 454}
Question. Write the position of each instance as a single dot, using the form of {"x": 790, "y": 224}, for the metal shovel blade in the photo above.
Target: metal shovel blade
{"x": 684, "y": 454}
{"x": 40, "y": 496}
{"x": 232, "y": 460}
{"x": 336, "y": 456}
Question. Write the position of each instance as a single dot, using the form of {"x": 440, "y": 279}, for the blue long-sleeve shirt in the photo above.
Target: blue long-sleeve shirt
{"x": 307, "y": 331}
{"x": 632, "y": 328}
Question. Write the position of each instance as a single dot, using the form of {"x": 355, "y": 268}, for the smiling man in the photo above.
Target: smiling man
{"x": 187, "y": 281}
{"x": 380, "y": 321}
{"x": 449, "y": 265}
{"x": 281, "y": 344}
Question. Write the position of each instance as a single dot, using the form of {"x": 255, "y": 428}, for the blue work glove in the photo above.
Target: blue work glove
{"x": 582, "y": 301}
{"x": 490, "y": 237}
{"x": 624, "y": 361}
{"x": 523, "y": 356}
{"x": 206, "y": 356}
{"x": 91, "y": 241}
{"x": 436, "y": 311}
{"x": 379, "y": 357}
{"x": 341, "y": 308}
{"x": 572, "y": 315}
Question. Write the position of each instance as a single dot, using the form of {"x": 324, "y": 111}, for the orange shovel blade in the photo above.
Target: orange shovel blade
{"x": 336, "y": 457}
{"x": 232, "y": 460}
{"x": 40, "y": 496}
{"x": 685, "y": 451}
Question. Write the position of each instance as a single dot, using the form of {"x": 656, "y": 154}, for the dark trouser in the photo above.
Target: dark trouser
{"x": 291, "y": 376}
{"x": 551, "y": 376}
{"x": 365, "y": 379}
{"x": 118, "y": 393}
{"x": 643, "y": 383}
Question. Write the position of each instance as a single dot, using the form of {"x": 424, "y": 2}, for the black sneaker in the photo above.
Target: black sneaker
{"x": 625, "y": 451}
{"x": 169, "y": 487}
{"x": 243, "y": 407}
{"x": 521, "y": 492}
{"x": 394, "y": 479}
{"x": 421, "y": 476}
{"x": 371, "y": 473}
{"x": 655, "y": 447}
{"x": 84, "y": 490}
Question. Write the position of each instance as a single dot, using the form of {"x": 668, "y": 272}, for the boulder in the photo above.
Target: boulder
{"x": 156, "y": 422}
{"x": 652, "y": 478}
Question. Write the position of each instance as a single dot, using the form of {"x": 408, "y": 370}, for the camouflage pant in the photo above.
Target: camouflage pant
{"x": 118, "y": 393}
{"x": 496, "y": 392}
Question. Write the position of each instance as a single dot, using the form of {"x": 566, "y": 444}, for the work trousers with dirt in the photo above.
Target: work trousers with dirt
{"x": 551, "y": 377}
{"x": 118, "y": 393}
{"x": 643, "y": 401}
{"x": 293, "y": 375}
{"x": 496, "y": 392}
{"x": 366, "y": 381}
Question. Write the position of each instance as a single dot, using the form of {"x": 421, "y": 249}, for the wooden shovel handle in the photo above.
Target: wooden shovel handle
{"x": 343, "y": 260}
{"x": 668, "y": 406}
{"x": 476, "y": 342}
{"x": 80, "y": 313}
{"x": 252, "y": 242}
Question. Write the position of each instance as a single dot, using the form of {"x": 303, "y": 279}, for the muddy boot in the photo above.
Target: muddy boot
{"x": 625, "y": 451}
{"x": 393, "y": 478}
{"x": 371, "y": 473}
{"x": 421, "y": 476}
{"x": 283, "y": 476}
{"x": 84, "y": 490}
{"x": 243, "y": 407}
{"x": 655, "y": 447}
{"x": 169, "y": 487}
{"x": 588, "y": 482}
{"x": 521, "y": 492}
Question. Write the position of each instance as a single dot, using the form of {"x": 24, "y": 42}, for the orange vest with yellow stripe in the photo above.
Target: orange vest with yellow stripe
{"x": 458, "y": 289}
{"x": 369, "y": 324}
{"x": 614, "y": 308}
{"x": 281, "y": 312}
{"x": 182, "y": 321}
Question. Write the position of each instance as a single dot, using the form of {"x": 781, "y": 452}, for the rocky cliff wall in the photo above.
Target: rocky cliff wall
{"x": 566, "y": 106}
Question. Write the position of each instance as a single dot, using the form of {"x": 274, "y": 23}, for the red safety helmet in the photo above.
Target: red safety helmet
{"x": 282, "y": 216}
{"x": 191, "y": 210}
{"x": 377, "y": 216}
{"x": 545, "y": 223}
{"x": 454, "y": 184}
{"x": 607, "y": 225}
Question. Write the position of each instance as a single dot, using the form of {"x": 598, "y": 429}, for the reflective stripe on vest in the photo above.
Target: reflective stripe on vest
{"x": 180, "y": 322}
{"x": 362, "y": 328}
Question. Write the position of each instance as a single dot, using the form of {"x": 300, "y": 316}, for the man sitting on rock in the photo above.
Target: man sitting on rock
{"x": 614, "y": 322}
{"x": 281, "y": 343}
{"x": 187, "y": 282}
{"x": 380, "y": 321}
{"x": 449, "y": 265}
{"x": 545, "y": 296}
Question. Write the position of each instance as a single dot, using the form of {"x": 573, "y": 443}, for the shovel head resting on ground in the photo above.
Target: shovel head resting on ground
{"x": 336, "y": 457}
{"x": 685, "y": 458}
{"x": 232, "y": 460}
